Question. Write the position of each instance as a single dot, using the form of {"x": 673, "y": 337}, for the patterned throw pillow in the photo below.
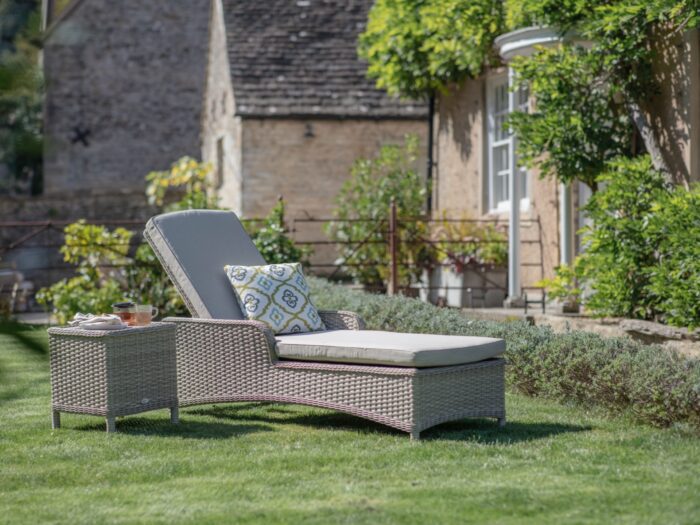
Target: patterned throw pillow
{"x": 277, "y": 295}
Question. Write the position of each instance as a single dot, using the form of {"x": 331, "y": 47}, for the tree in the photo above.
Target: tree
{"x": 21, "y": 90}
{"x": 594, "y": 97}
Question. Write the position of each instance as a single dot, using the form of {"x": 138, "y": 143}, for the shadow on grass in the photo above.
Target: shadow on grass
{"x": 26, "y": 336}
{"x": 486, "y": 431}
{"x": 185, "y": 429}
{"x": 479, "y": 430}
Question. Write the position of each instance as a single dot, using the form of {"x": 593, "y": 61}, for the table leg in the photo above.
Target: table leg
{"x": 174, "y": 415}
{"x": 55, "y": 419}
{"x": 111, "y": 424}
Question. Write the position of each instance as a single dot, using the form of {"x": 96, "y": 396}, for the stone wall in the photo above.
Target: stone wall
{"x": 38, "y": 257}
{"x": 307, "y": 161}
{"x": 128, "y": 78}
{"x": 221, "y": 128}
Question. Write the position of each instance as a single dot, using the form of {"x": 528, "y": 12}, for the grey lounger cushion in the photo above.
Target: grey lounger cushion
{"x": 370, "y": 347}
{"x": 194, "y": 246}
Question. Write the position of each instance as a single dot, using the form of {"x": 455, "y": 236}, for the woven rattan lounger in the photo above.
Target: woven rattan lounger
{"x": 407, "y": 381}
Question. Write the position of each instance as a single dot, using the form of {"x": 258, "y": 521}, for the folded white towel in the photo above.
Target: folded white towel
{"x": 97, "y": 322}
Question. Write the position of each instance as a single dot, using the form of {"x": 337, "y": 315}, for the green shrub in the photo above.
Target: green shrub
{"x": 67, "y": 297}
{"x": 107, "y": 270}
{"x": 362, "y": 209}
{"x": 188, "y": 177}
{"x": 619, "y": 246}
{"x": 674, "y": 281}
{"x": 271, "y": 239}
{"x": 107, "y": 273}
{"x": 654, "y": 385}
{"x": 461, "y": 242}
{"x": 564, "y": 285}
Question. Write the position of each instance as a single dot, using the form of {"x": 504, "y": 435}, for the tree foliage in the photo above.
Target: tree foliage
{"x": 21, "y": 91}
{"x": 576, "y": 127}
{"x": 590, "y": 100}
{"x": 416, "y": 47}
{"x": 619, "y": 246}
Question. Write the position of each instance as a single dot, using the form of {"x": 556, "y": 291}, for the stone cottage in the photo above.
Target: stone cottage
{"x": 475, "y": 155}
{"x": 287, "y": 105}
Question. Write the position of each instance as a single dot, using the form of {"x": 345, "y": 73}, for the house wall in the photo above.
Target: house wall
{"x": 308, "y": 171}
{"x": 674, "y": 110}
{"x": 219, "y": 122}
{"x": 461, "y": 182}
{"x": 280, "y": 159}
{"x": 133, "y": 76}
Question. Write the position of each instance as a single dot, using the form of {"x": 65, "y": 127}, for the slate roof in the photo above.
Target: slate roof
{"x": 299, "y": 58}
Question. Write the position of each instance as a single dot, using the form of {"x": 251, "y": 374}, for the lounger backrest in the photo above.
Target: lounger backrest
{"x": 193, "y": 247}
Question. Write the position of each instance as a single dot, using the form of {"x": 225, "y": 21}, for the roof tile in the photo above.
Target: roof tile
{"x": 293, "y": 57}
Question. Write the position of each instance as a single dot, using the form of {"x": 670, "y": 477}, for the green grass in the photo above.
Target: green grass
{"x": 269, "y": 463}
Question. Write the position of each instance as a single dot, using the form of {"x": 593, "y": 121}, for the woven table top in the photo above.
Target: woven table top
{"x": 124, "y": 332}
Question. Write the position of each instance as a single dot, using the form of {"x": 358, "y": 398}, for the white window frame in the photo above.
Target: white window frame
{"x": 492, "y": 83}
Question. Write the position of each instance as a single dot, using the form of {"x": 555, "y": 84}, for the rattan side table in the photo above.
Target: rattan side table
{"x": 113, "y": 373}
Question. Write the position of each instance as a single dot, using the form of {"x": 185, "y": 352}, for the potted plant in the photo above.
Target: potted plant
{"x": 470, "y": 264}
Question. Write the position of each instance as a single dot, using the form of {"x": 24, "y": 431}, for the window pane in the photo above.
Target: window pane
{"x": 499, "y": 140}
{"x": 501, "y": 165}
{"x": 500, "y": 131}
{"x": 523, "y": 97}
{"x": 501, "y": 102}
{"x": 501, "y": 158}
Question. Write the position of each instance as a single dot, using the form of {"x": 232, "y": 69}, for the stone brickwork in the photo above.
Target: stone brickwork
{"x": 221, "y": 127}
{"x": 307, "y": 161}
{"x": 674, "y": 110}
{"x": 125, "y": 82}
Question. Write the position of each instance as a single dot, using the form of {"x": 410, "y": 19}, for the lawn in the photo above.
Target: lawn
{"x": 269, "y": 463}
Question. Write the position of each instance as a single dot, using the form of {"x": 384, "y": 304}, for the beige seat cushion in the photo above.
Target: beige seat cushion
{"x": 371, "y": 347}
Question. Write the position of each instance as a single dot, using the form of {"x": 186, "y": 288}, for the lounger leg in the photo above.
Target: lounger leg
{"x": 415, "y": 435}
{"x": 55, "y": 419}
{"x": 111, "y": 424}
{"x": 174, "y": 415}
{"x": 501, "y": 422}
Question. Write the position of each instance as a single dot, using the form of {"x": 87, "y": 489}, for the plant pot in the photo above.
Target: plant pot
{"x": 477, "y": 286}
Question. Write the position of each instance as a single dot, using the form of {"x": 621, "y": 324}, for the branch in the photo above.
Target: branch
{"x": 651, "y": 143}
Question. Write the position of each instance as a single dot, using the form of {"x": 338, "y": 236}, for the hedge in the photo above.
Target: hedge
{"x": 653, "y": 384}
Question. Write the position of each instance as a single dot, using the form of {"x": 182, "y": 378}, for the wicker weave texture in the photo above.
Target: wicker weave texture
{"x": 227, "y": 361}
{"x": 113, "y": 373}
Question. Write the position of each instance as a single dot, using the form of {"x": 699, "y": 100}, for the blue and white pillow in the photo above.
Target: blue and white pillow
{"x": 276, "y": 294}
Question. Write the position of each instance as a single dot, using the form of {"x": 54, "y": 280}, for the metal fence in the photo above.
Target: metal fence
{"x": 30, "y": 257}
